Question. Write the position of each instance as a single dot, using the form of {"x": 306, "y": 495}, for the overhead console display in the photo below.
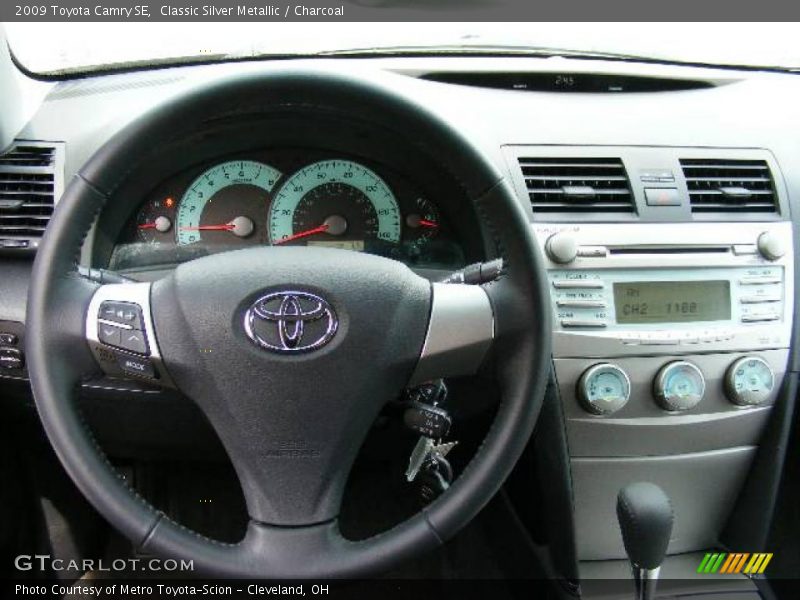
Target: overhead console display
{"x": 672, "y": 301}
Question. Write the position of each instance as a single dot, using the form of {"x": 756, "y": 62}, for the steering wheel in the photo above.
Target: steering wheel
{"x": 289, "y": 352}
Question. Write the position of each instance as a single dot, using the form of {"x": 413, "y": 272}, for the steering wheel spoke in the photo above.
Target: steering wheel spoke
{"x": 121, "y": 333}
{"x": 460, "y": 332}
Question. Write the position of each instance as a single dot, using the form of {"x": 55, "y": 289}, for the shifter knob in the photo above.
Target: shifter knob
{"x": 645, "y": 519}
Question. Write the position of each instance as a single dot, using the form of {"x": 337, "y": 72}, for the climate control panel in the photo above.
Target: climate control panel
{"x": 679, "y": 385}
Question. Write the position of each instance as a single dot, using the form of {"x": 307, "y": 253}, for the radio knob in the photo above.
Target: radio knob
{"x": 749, "y": 381}
{"x": 770, "y": 246}
{"x": 680, "y": 385}
{"x": 603, "y": 389}
{"x": 561, "y": 248}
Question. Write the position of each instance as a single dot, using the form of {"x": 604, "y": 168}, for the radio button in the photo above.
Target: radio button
{"x": 755, "y": 318}
{"x": 578, "y": 284}
{"x": 759, "y": 299}
{"x": 759, "y": 280}
{"x": 583, "y": 323}
{"x": 581, "y": 304}
{"x": 744, "y": 249}
{"x": 592, "y": 251}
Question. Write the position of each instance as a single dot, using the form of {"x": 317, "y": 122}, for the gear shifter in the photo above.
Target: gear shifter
{"x": 645, "y": 520}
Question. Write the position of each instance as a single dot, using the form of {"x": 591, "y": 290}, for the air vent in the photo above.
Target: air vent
{"x": 729, "y": 186}
{"x": 31, "y": 176}
{"x": 577, "y": 185}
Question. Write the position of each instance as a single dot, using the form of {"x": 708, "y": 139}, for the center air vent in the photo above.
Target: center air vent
{"x": 729, "y": 186}
{"x": 30, "y": 180}
{"x": 577, "y": 185}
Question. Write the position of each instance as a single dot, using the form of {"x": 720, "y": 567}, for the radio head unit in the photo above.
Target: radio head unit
{"x": 671, "y": 287}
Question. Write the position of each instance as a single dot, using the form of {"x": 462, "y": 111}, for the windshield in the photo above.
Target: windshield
{"x": 50, "y": 48}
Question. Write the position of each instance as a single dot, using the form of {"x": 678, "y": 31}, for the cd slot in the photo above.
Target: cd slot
{"x": 670, "y": 250}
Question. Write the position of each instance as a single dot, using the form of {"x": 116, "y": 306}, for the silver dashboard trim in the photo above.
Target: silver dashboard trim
{"x": 460, "y": 332}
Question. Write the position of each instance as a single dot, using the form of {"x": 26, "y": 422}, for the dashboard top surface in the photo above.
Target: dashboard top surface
{"x": 743, "y": 110}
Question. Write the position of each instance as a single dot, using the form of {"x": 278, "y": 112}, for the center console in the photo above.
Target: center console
{"x": 672, "y": 317}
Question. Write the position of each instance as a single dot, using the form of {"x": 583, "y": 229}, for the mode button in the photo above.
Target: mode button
{"x": 136, "y": 366}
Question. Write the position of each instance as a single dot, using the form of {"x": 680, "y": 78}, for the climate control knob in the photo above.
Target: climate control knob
{"x": 604, "y": 389}
{"x": 679, "y": 385}
{"x": 561, "y": 248}
{"x": 749, "y": 381}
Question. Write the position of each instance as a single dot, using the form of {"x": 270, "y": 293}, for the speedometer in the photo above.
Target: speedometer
{"x": 226, "y": 204}
{"x": 336, "y": 203}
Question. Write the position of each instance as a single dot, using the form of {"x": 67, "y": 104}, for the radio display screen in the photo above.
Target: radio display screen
{"x": 672, "y": 301}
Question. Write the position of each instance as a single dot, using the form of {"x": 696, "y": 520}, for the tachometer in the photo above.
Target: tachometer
{"x": 334, "y": 203}
{"x": 226, "y": 204}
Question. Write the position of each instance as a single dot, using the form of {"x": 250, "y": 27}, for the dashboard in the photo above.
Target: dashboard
{"x": 674, "y": 328}
{"x": 288, "y": 196}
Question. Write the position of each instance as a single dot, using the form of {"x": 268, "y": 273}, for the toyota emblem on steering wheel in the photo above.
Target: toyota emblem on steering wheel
{"x": 290, "y": 322}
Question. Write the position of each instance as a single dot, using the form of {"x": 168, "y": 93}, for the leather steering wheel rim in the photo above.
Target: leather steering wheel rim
{"x": 59, "y": 357}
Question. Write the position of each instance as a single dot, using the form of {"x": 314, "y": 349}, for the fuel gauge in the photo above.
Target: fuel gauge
{"x": 423, "y": 223}
{"x": 155, "y": 220}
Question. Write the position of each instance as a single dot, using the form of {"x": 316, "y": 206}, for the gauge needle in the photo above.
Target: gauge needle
{"x": 426, "y": 223}
{"x": 302, "y": 234}
{"x": 161, "y": 224}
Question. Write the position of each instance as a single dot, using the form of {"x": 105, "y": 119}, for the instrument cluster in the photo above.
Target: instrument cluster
{"x": 288, "y": 199}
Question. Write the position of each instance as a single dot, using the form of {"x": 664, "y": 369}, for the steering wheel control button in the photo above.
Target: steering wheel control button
{"x": 749, "y": 381}
{"x": 132, "y": 365}
{"x": 679, "y": 386}
{"x": 121, "y": 325}
{"x": 109, "y": 334}
{"x": 603, "y": 389}
{"x": 133, "y": 340}
{"x": 11, "y": 359}
{"x": 125, "y": 313}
